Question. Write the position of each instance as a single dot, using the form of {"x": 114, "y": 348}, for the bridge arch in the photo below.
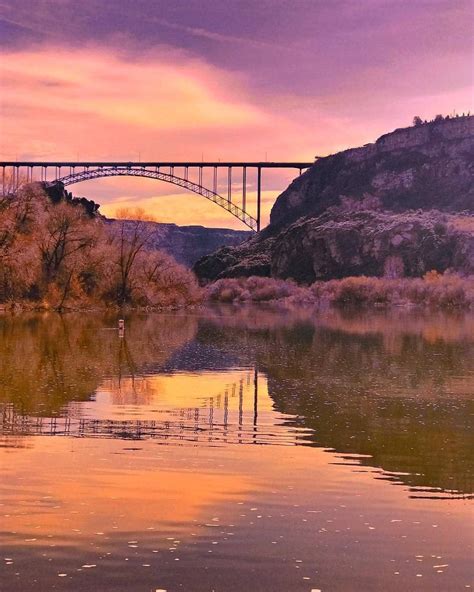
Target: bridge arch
{"x": 118, "y": 171}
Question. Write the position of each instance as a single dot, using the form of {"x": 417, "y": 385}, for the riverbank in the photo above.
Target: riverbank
{"x": 433, "y": 290}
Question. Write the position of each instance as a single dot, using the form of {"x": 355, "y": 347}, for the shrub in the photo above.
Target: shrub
{"x": 59, "y": 256}
{"x": 434, "y": 289}
{"x": 254, "y": 289}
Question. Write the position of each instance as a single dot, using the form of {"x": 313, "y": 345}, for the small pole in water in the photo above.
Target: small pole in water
{"x": 121, "y": 327}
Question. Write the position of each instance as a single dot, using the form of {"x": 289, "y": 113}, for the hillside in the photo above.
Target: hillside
{"x": 370, "y": 210}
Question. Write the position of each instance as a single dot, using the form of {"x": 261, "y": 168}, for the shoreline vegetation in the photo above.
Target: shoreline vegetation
{"x": 63, "y": 257}
{"x": 433, "y": 291}
{"x": 60, "y": 256}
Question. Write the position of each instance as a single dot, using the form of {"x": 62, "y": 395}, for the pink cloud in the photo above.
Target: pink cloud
{"x": 98, "y": 104}
{"x": 113, "y": 103}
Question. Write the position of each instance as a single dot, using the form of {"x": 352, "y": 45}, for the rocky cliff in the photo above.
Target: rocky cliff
{"x": 399, "y": 203}
{"x": 57, "y": 194}
{"x": 338, "y": 244}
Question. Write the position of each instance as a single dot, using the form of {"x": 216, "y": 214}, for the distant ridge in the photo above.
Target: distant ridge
{"x": 187, "y": 244}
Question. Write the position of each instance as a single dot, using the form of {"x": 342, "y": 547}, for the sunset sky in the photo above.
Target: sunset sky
{"x": 229, "y": 80}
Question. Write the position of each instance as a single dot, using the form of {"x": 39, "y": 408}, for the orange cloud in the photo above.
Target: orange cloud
{"x": 97, "y": 103}
{"x": 157, "y": 95}
{"x": 102, "y": 103}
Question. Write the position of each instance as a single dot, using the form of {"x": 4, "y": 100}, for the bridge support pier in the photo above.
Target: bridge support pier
{"x": 259, "y": 196}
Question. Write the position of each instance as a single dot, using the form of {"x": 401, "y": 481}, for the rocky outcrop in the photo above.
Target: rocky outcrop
{"x": 349, "y": 214}
{"x": 252, "y": 257}
{"x": 340, "y": 244}
{"x": 429, "y": 166}
{"x": 57, "y": 193}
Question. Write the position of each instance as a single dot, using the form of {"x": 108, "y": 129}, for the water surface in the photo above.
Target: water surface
{"x": 237, "y": 449}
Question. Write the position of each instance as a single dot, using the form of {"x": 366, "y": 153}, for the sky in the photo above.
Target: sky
{"x": 228, "y": 79}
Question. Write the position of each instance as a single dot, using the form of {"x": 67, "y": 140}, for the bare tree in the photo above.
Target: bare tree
{"x": 65, "y": 233}
{"x": 55, "y": 254}
{"x": 10, "y": 183}
{"x": 135, "y": 234}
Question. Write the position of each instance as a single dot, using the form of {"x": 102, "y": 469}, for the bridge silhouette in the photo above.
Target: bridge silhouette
{"x": 202, "y": 178}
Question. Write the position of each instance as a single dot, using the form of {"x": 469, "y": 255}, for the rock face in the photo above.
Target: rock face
{"x": 397, "y": 204}
{"x": 340, "y": 244}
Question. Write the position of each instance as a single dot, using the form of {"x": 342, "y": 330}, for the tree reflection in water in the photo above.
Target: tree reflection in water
{"x": 392, "y": 389}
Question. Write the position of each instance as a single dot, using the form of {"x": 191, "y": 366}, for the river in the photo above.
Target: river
{"x": 237, "y": 449}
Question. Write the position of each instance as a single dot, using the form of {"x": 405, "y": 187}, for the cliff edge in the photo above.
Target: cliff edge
{"x": 353, "y": 211}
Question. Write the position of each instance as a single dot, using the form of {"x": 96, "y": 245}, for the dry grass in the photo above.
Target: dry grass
{"x": 433, "y": 290}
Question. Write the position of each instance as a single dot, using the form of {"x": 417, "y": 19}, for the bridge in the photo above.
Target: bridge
{"x": 226, "y": 184}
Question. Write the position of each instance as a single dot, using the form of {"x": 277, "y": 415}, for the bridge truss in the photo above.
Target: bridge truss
{"x": 219, "y": 182}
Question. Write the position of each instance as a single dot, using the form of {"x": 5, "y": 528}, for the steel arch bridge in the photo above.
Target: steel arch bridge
{"x": 196, "y": 177}
{"x": 221, "y": 201}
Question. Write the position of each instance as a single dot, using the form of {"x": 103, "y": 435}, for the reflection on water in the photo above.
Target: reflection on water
{"x": 248, "y": 441}
{"x": 212, "y": 407}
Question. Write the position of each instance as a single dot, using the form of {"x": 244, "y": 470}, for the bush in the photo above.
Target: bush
{"x": 255, "y": 289}
{"x": 434, "y": 289}
{"x": 60, "y": 256}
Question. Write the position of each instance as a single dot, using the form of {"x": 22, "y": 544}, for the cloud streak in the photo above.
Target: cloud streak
{"x": 229, "y": 80}
{"x": 220, "y": 37}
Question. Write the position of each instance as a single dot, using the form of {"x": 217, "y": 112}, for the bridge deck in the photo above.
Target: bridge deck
{"x": 197, "y": 163}
{"x": 190, "y": 426}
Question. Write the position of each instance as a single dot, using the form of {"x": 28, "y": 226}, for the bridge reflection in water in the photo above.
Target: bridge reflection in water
{"x": 143, "y": 467}
{"x": 388, "y": 392}
{"x": 230, "y": 417}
